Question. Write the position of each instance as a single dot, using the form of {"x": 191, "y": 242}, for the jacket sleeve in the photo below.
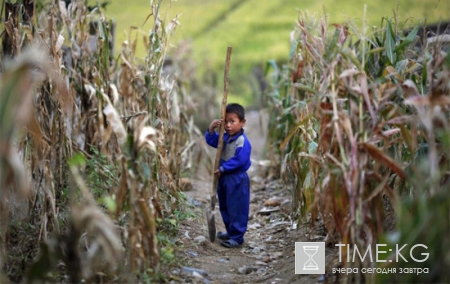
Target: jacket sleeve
{"x": 212, "y": 139}
{"x": 240, "y": 159}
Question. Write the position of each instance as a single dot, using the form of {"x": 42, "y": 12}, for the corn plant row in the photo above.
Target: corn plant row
{"x": 360, "y": 121}
{"x": 77, "y": 100}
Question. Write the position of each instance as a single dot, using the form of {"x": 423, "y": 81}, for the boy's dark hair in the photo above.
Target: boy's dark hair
{"x": 236, "y": 109}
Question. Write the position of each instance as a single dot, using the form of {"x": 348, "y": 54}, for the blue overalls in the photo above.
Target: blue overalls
{"x": 233, "y": 191}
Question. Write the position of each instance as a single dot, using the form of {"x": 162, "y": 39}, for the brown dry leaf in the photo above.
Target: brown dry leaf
{"x": 378, "y": 189}
{"x": 15, "y": 174}
{"x": 17, "y": 82}
{"x": 59, "y": 43}
{"x": 115, "y": 122}
{"x": 365, "y": 92}
{"x": 147, "y": 137}
{"x": 410, "y": 89}
{"x": 63, "y": 10}
{"x": 349, "y": 73}
{"x": 390, "y": 132}
{"x": 380, "y": 156}
{"x": 123, "y": 189}
{"x": 440, "y": 100}
{"x": 150, "y": 222}
{"x": 418, "y": 100}
{"x": 347, "y": 125}
{"x": 114, "y": 93}
{"x": 400, "y": 120}
{"x": 92, "y": 220}
{"x": 390, "y": 71}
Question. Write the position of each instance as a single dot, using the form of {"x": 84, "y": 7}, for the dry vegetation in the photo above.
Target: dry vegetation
{"x": 360, "y": 127}
{"x": 90, "y": 189}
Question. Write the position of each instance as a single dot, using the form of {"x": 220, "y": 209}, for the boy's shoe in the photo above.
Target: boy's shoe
{"x": 223, "y": 236}
{"x": 230, "y": 243}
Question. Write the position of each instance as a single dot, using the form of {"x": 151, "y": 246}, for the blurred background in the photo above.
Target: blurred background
{"x": 258, "y": 31}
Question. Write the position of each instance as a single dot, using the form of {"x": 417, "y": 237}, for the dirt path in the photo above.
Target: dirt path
{"x": 267, "y": 256}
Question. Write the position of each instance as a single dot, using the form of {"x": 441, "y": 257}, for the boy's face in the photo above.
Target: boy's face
{"x": 232, "y": 123}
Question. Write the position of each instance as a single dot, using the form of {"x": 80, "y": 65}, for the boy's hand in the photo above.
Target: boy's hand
{"x": 218, "y": 173}
{"x": 214, "y": 124}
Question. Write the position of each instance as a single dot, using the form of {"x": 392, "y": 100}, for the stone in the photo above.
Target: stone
{"x": 276, "y": 255}
{"x": 200, "y": 240}
{"x": 279, "y": 223}
{"x": 256, "y": 250}
{"x": 271, "y": 203}
{"x": 254, "y": 226}
{"x": 192, "y": 253}
{"x": 268, "y": 211}
{"x": 190, "y": 270}
{"x": 247, "y": 270}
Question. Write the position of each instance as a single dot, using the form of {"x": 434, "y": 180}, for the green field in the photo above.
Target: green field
{"x": 258, "y": 30}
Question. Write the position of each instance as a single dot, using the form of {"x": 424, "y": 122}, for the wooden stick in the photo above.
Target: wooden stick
{"x": 222, "y": 128}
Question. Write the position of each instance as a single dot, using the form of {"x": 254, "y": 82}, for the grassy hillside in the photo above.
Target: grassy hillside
{"x": 258, "y": 30}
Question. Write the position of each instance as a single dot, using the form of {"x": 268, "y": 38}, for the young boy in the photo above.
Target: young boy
{"x": 233, "y": 190}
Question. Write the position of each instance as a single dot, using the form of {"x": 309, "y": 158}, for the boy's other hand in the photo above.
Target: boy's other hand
{"x": 214, "y": 124}
{"x": 218, "y": 173}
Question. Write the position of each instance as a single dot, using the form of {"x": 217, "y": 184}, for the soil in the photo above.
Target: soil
{"x": 267, "y": 255}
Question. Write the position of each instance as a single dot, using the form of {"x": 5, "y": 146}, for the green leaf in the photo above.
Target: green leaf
{"x": 110, "y": 203}
{"x": 390, "y": 44}
{"x": 101, "y": 31}
{"x": 146, "y": 172}
{"x": 408, "y": 40}
{"x": 77, "y": 160}
{"x": 376, "y": 50}
{"x": 447, "y": 60}
{"x": 412, "y": 35}
{"x": 173, "y": 222}
{"x": 293, "y": 49}
{"x": 348, "y": 54}
{"x": 305, "y": 88}
{"x": 271, "y": 64}
{"x": 312, "y": 147}
{"x": 424, "y": 75}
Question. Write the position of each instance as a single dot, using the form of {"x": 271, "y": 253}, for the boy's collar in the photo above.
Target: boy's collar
{"x": 235, "y": 136}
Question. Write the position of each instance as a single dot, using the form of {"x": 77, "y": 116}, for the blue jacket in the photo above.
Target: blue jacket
{"x": 236, "y": 152}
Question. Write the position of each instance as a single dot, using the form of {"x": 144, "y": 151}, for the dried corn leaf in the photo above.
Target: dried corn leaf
{"x": 400, "y": 120}
{"x": 123, "y": 188}
{"x": 147, "y": 137}
{"x": 426, "y": 101}
{"x": 150, "y": 222}
{"x": 378, "y": 189}
{"x": 116, "y": 123}
{"x": 390, "y": 132}
{"x": 410, "y": 89}
{"x": 380, "y": 156}
{"x": 92, "y": 220}
{"x": 365, "y": 92}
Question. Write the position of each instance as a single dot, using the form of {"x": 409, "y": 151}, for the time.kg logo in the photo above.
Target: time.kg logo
{"x": 309, "y": 258}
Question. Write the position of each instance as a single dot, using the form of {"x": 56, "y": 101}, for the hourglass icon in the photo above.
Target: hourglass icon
{"x": 310, "y": 264}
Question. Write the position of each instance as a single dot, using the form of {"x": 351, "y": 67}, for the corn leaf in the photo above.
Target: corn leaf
{"x": 382, "y": 157}
{"x": 390, "y": 43}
